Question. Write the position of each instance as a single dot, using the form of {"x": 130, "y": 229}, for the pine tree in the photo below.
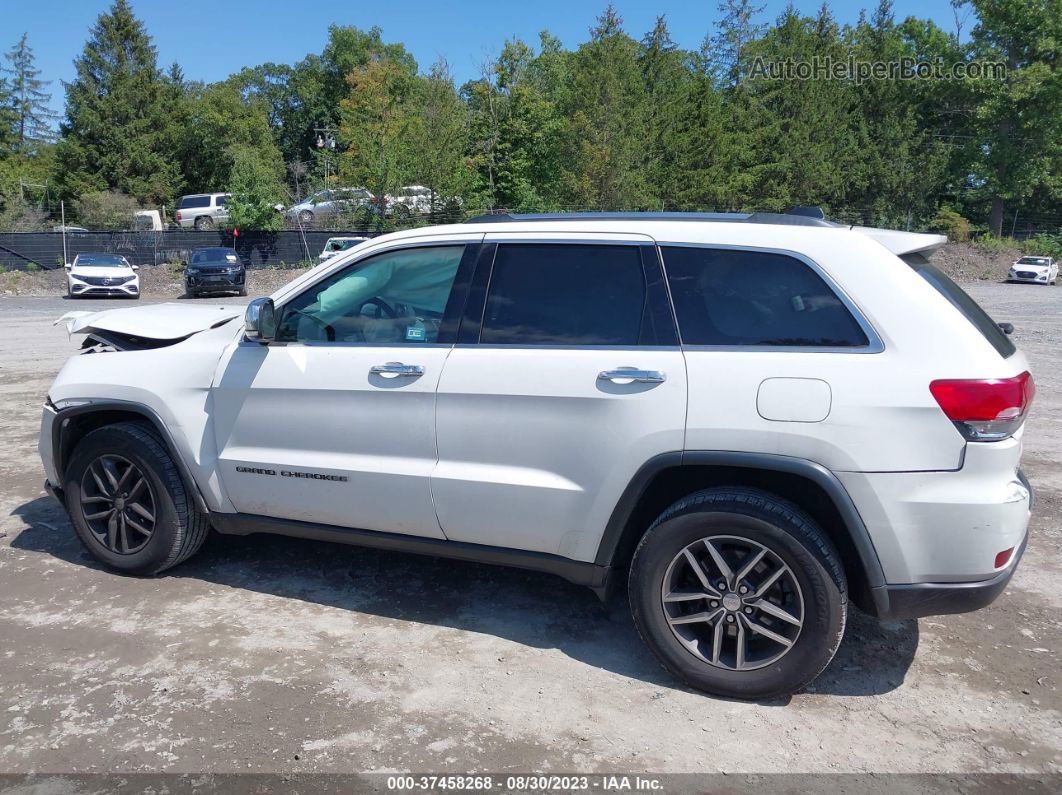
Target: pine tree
{"x": 1019, "y": 117}
{"x": 608, "y": 112}
{"x": 668, "y": 85}
{"x": 29, "y": 100}
{"x": 117, "y": 132}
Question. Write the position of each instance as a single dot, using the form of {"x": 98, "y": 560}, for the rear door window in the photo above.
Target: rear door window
{"x": 751, "y": 298}
{"x": 561, "y": 294}
{"x": 186, "y": 202}
{"x": 959, "y": 299}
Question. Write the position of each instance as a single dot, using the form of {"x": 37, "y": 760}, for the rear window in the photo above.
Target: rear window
{"x": 728, "y": 297}
{"x": 958, "y": 298}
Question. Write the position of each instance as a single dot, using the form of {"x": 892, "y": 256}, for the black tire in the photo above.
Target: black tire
{"x": 305, "y": 217}
{"x": 179, "y": 530}
{"x": 203, "y": 222}
{"x": 768, "y": 522}
{"x": 243, "y": 291}
{"x": 190, "y": 291}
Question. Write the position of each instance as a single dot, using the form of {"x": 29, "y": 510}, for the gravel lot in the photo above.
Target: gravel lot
{"x": 280, "y": 655}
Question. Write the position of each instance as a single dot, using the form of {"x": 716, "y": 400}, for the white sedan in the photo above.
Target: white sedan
{"x": 1034, "y": 270}
{"x": 102, "y": 275}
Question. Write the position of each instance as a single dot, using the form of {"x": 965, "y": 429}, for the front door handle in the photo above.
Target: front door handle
{"x": 397, "y": 370}
{"x": 632, "y": 375}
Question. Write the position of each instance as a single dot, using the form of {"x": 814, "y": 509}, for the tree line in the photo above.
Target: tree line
{"x": 619, "y": 122}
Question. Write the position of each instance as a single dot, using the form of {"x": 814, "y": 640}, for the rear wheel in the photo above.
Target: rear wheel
{"x": 739, "y": 593}
{"x": 128, "y": 503}
{"x": 306, "y": 217}
{"x": 204, "y": 222}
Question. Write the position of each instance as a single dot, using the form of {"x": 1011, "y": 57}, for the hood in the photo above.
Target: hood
{"x": 165, "y": 323}
{"x": 900, "y": 243}
{"x": 1030, "y": 266}
{"x": 116, "y": 272}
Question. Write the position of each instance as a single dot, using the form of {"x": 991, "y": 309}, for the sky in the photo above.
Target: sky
{"x": 212, "y": 39}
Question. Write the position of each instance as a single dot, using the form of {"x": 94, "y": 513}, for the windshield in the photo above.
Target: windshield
{"x": 1033, "y": 261}
{"x": 213, "y": 255}
{"x": 101, "y": 261}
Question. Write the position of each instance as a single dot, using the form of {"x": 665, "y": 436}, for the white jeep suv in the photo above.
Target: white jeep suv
{"x": 753, "y": 419}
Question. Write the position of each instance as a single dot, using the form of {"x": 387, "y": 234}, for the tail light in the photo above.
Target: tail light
{"x": 178, "y": 216}
{"x": 985, "y": 410}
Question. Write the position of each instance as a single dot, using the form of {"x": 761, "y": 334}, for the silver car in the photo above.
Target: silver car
{"x": 328, "y": 204}
{"x": 202, "y": 210}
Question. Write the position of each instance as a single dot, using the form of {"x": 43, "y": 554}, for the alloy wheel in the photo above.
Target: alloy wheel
{"x": 732, "y": 602}
{"x": 118, "y": 504}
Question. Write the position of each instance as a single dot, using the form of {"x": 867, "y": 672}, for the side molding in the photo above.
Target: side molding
{"x": 148, "y": 413}
{"x": 574, "y": 571}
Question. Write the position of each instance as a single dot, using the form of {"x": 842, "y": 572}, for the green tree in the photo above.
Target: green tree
{"x": 117, "y": 131}
{"x": 256, "y": 189}
{"x": 106, "y": 209}
{"x": 221, "y": 123}
{"x": 439, "y": 134}
{"x": 376, "y": 126}
{"x": 609, "y": 119}
{"x": 668, "y": 84}
{"x": 29, "y": 100}
{"x": 1018, "y": 119}
{"x": 902, "y": 163}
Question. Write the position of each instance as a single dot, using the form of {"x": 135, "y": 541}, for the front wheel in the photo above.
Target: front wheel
{"x": 128, "y": 503}
{"x": 739, "y": 593}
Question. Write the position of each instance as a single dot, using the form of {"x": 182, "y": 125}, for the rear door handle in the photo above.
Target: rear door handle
{"x": 632, "y": 375}
{"x": 397, "y": 370}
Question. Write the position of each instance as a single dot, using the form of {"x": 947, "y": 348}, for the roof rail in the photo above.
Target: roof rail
{"x": 799, "y": 216}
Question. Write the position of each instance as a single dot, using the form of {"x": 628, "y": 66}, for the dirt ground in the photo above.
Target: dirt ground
{"x": 278, "y": 655}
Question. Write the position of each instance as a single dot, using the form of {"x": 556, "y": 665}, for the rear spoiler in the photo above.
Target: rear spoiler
{"x": 903, "y": 243}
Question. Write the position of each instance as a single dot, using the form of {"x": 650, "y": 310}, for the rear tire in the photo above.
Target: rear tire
{"x": 128, "y": 503}
{"x": 204, "y": 223}
{"x": 787, "y": 628}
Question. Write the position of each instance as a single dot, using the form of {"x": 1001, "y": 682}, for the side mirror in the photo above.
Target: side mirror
{"x": 259, "y": 322}
{"x": 1006, "y": 328}
{"x": 68, "y": 266}
{"x": 135, "y": 267}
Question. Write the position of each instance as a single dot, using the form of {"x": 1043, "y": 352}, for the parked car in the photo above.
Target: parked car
{"x": 202, "y": 210}
{"x": 755, "y": 420}
{"x": 102, "y": 275}
{"x": 69, "y": 228}
{"x": 327, "y": 204}
{"x": 416, "y": 200}
{"x": 1037, "y": 270}
{"x": 214, "y": 270}
{"x": 335, "y": 245}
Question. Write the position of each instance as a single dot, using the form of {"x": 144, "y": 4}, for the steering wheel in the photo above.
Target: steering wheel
{"x": 384, "y": 307}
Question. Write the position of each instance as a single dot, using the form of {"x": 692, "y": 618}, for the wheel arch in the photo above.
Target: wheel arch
{"x": 74, "y": 423}
{"x": 666, "y": 478}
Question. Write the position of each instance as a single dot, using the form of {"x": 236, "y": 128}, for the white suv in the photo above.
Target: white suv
{"x": 753, "y": 419}
{"x": 202, "y": 211}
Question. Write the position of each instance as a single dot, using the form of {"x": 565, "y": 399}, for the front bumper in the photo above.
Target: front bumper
{"x": 120, "y": 290}
{"x": 216, "y": 282}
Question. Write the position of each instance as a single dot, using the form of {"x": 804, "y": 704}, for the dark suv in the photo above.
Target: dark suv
{"x": 214, "y": 270}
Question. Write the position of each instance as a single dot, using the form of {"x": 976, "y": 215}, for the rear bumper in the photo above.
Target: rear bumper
{"x": 918, "y": 600}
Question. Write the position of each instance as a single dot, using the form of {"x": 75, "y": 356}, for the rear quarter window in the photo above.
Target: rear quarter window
{"x": 728, "y": 297}
{"x": 187, "y": 202}
{"x": 959, "y": 299}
